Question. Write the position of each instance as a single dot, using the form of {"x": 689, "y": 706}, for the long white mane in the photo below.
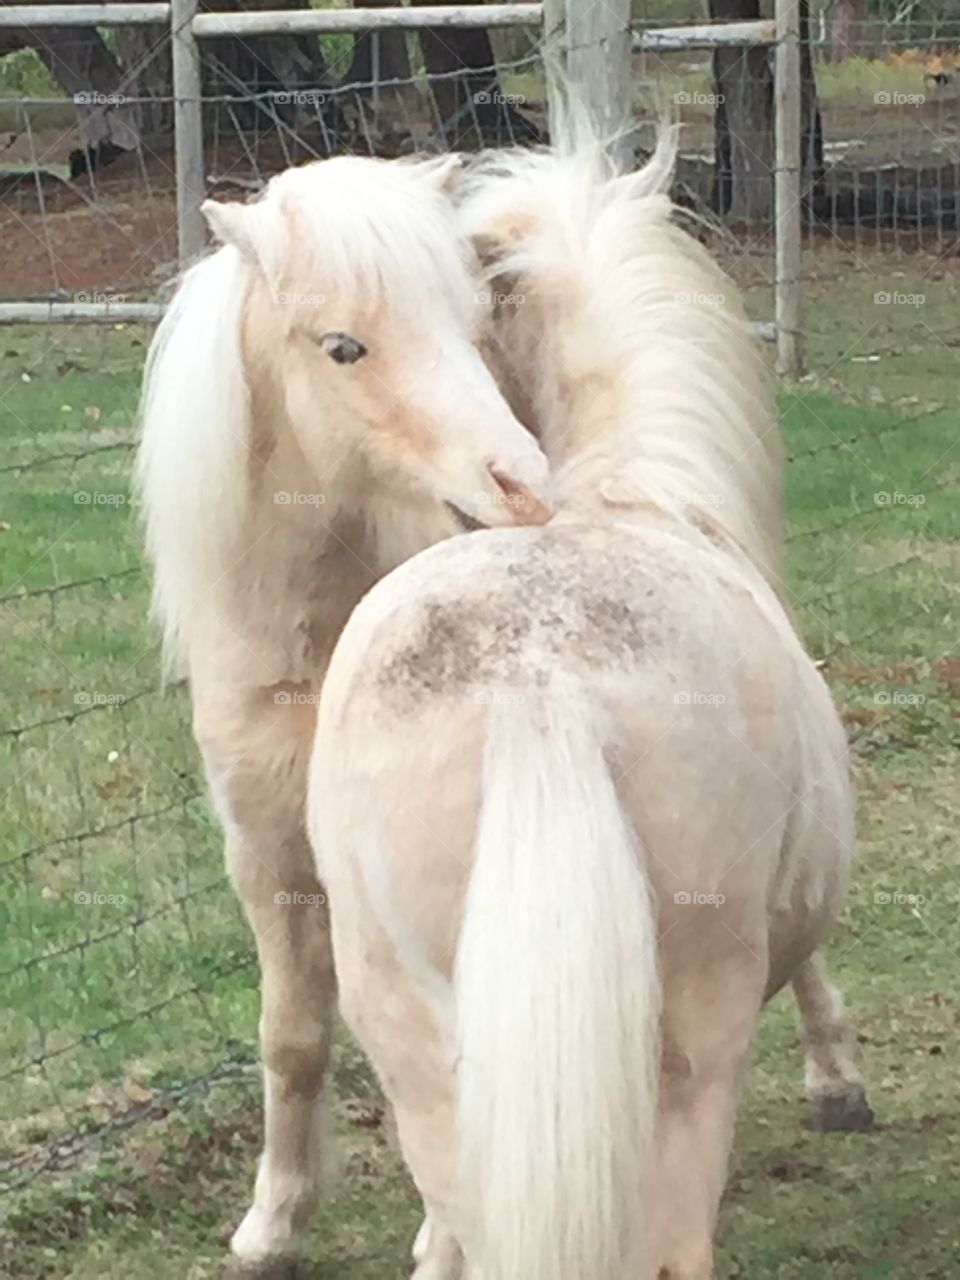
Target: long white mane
{"x": 649, "y": 386}
{"x": 379, "y": 233}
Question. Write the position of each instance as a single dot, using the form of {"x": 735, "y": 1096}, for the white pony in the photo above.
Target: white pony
{"x": 315, "y": 411}
{"x": 580, "y": 797}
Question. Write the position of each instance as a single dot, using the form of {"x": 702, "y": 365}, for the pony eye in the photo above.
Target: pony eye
{"x": 343, "y": 349}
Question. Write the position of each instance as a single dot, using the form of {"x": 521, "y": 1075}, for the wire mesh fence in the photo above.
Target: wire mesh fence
{"x": 126, "y": 963}
{"x": 129, "y": 971}
{"x": 87, "y": 181}
{"x": 96, "y": 222}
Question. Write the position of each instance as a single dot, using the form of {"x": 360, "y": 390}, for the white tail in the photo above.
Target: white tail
{"x": 558, "y": 1001}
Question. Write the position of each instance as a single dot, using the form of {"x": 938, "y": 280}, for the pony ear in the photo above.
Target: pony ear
{"x": 230, "y": 224}
{"x": 498, "y": 238}
{"x": 445, "y": 173}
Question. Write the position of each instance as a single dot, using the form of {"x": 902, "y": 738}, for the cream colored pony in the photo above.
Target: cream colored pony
{"x": 315, "y": 411}
{"x": 580, "y": 797}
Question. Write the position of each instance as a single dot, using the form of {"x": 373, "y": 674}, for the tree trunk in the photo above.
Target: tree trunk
{"x": 843, "y": 24}
{"x": 147, "y": 77}
{"x": 472, "y": 108}
{"x": 743, "y": 123}
{"x": 394, "y": 61}
{"x": 263, "y": 75}
{"x": 811, "y": 143}
{"x": 84, "y": 67}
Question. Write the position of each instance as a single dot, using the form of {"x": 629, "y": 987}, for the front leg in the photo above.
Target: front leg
{"x": 256, "y": 744}
{"x": 298, "y": 991}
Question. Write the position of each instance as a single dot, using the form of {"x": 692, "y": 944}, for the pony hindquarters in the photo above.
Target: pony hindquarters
{"x": 523, "y": 1073}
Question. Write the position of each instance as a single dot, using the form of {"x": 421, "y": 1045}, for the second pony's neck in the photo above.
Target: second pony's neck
{"x": 646, "y": 381}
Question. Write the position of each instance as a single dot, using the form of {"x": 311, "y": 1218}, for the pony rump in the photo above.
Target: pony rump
{"x": 649, "y": 386}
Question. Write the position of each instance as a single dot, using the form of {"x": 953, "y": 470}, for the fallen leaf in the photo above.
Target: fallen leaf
{"x": 136, "y": 1092}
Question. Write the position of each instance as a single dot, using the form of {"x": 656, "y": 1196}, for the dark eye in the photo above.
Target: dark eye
{"x": 343, "y": 349}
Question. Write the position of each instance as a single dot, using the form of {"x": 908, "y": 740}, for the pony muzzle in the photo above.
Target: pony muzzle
{"x": 523, "y": 499}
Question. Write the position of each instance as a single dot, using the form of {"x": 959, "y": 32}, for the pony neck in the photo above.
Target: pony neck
{"x": 652, "y": 396}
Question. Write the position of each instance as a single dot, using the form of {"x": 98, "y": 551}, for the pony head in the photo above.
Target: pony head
{"x": 360, "y": 317}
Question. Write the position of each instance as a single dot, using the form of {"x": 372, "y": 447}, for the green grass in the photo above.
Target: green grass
{"x": 875, "y": 593}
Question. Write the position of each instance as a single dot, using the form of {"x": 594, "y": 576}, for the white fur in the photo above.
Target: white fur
{"x": 364, "y": 237}
{"x": 192, "y": 463}
{"x": 557, "y": 1001}
{"x": 644, "y": 327}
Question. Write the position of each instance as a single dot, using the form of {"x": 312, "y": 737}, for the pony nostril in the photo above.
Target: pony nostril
{"x": 523, "y": 503}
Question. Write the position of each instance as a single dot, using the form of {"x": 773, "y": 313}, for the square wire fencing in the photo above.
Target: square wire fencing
{"x": 323, "y": 81}
{"x": 128, "y": 966}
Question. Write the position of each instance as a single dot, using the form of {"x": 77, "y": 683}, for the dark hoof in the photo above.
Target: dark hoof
{"x": 282, "y": 1268}
{"x": 847, "y": 1112}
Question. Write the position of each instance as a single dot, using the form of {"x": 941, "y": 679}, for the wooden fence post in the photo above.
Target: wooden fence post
{"x": 787, "y": 188}
{"x": 587, "y": 50}
{"x": 188, "y": 130}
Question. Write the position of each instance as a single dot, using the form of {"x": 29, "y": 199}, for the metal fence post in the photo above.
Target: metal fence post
{"x": 587, "y": 52}
{"x": 188, "y": 130}
{"x": 787, "y": 188}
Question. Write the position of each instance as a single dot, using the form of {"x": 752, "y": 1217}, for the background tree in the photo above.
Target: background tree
{"x": 743, "y": 120}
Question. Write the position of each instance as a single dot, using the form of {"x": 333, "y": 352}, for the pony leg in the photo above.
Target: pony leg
{"x": 708, "y": 1026}
{"x": 256, "y": 746}
{"x": 298, "y": 989}
{"x": 399, "y": 1033}
{"x": 436, "y": 1254}
{"x": 835, "y": 1088}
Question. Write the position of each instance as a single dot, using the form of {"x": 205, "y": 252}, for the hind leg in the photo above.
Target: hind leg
{"x": 400, "y": 1034}
{"x": 709, "y": 1018}
{"x": 436, "y": 1254}
{"x": 835, "y": 1089}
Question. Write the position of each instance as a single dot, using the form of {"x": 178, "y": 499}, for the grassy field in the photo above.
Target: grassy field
{"x": 124, "y": 999}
